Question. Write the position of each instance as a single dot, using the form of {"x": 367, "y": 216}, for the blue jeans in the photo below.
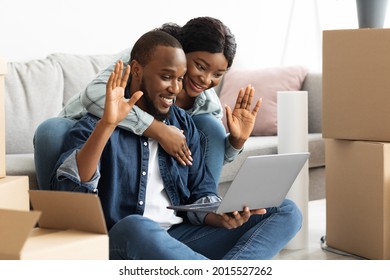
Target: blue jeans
{"x": 48, "y": 140}
{"x": 212, "y": 137}
{"x": 262, "y": 237}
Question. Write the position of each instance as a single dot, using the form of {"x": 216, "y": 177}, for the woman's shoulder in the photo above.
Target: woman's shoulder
{"x": 209, "y": 94}
{"x": 208, "y": 103}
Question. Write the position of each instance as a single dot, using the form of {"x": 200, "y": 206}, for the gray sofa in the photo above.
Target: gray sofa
{"x": 37, "y": 90}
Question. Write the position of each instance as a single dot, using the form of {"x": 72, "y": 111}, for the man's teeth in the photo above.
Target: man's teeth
{"x": 168, "y": 100}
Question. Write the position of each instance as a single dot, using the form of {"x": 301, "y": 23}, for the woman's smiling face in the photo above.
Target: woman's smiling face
{"x": 204, "y": 70}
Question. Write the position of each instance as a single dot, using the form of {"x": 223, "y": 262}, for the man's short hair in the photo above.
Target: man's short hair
{"x": 144, "y": 47}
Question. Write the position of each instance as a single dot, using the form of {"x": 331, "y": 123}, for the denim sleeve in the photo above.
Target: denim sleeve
{"x": 197, "y": 218}
{"x": 230, "y": 152}
{"x": 68, "y": 179}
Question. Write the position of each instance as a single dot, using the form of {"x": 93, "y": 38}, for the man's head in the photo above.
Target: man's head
{"x": 158, "y": 65}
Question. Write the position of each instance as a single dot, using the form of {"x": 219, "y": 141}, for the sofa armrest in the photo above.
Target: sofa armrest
{"x": 313, "y": 84}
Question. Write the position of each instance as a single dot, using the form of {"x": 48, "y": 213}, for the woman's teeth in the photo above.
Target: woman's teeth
{"x": 197, "y": 86}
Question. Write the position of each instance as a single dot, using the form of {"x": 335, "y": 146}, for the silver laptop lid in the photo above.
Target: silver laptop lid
{"x": 263, "y": 181}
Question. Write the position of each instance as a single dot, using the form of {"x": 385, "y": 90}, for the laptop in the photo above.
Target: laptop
{"x": 261, "y": 182}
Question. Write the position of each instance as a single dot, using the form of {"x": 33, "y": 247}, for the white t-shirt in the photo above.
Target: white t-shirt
{"x": 157, "y": 200}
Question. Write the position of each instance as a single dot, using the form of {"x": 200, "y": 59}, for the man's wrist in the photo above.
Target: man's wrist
{"x": 102, "y": 124}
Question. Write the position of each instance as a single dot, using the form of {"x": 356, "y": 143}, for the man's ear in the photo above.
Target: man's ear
{"x": 136, "y": 69}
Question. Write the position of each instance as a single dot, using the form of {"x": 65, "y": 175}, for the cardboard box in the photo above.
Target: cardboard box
{"x": 356, "y": 84}
{"x": 71, "y": 226}
{"x": 14, "y": 193}
{"x": 358, "y": 197}
{"x": 3, "y": 71}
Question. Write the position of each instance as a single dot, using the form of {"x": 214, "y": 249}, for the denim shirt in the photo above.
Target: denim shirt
{"x": 121, "y": 177}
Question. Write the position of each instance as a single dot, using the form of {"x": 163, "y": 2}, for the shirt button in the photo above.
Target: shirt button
{"x": 143, "y": 173}
{"x": 145, "y": 143}
{"x": 141, "y": 202}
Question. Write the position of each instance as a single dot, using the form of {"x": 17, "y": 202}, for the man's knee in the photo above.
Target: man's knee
{"x": 295, "y": 219}
{"x": 134, "y": 227}
{"x": 134, "y": 237}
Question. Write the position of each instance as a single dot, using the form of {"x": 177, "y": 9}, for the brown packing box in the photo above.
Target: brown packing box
{"x": 3, "y": 71}
{"x": 356, "y": 84}
{"x": 14, "y": 193}
{"x": 358, "y": 197}
{"x": 71, "y": 227}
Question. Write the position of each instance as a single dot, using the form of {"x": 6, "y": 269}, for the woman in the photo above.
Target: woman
{"x": 210, "y": 48}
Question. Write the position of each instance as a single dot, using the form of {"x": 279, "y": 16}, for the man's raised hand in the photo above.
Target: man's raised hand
{"x": 116, "y": 106}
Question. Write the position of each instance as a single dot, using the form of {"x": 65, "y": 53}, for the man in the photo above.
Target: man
{"x": 136, "y": 180}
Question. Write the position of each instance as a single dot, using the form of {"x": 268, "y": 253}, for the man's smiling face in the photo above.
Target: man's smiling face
{"x": 162, "y": 80}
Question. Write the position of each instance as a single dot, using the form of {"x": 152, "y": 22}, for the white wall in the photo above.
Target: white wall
{"x": 33, "y": 29}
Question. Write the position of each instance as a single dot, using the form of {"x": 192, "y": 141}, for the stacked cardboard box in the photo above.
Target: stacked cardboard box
{"x": 14, "y": 193}
{"x": 71, "y": 226}
{"x": 356, "y": 125}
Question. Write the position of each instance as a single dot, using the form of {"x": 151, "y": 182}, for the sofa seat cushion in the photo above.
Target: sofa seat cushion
{"x": 265, "y": 145}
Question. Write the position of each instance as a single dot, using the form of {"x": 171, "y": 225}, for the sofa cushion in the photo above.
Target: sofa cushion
{"x": 266, "y": 83}
{"x": 33, "y": 93}
{"x": 79, "y": 70}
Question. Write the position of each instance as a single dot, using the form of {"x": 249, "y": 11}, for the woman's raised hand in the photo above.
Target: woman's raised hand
{"x": 241, "y": 120}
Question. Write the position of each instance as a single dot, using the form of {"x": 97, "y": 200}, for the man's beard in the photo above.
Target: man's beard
{"x": 149, "y": 106}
